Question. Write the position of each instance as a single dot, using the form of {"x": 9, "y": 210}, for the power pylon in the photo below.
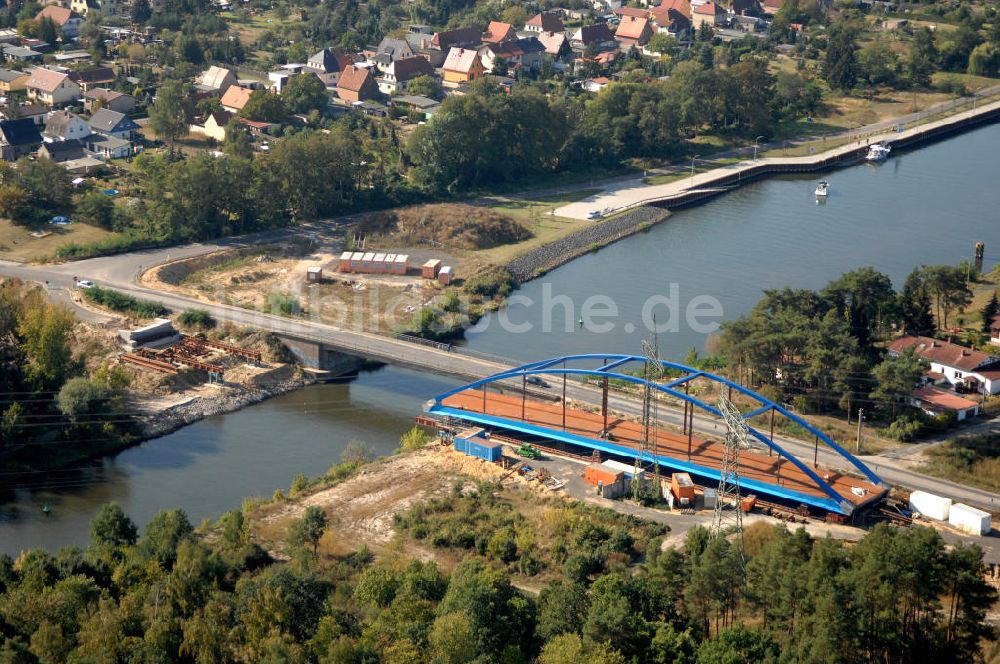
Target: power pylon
{"x": 652, "y": 371}
{"x": 728, "y": 515}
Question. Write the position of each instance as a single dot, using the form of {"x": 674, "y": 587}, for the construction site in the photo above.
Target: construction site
{"x": 724, "y": 453}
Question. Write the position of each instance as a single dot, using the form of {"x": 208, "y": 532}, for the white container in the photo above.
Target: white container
{"x": 969, "y": 519}
{"x": 626, "y": 468}
{"x": 709, "y": 498}
{"x": 931, "y": 506}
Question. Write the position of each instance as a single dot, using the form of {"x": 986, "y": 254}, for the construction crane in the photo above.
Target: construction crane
{"x": 728, "y": 521}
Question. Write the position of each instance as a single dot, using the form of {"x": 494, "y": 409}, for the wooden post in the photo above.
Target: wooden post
{"x": 816, "y": 453}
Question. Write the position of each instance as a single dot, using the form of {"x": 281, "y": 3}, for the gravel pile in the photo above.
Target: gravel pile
{"x": 554, "y": 254}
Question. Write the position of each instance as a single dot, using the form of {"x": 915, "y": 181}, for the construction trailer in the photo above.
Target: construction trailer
{"x": 682, "y": 487}
{"x": 444, "y": 275}
{"x": 969, "y": 519}
{"x": 373, "y": 263}
{"x": 314, "y": 275}
{"x": 609, "y": 483}
{"x": 476, "y": 443}
{"x": 430, "y": 269}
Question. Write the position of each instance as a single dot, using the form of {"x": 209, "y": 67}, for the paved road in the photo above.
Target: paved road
{"x": 120, "y": 272}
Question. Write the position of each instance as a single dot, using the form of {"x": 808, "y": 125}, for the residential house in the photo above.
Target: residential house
{"x": 69, "y": 24}
{"x": 524, "y": 53}
{"x": 682, "y": 6}
{"x": 739, "y": 7}
{"x": 9, "y": 36}
{"x": 995, "y": 331}
{"x": 544, "y": 22}
{"x": 52, "y": 88}
{"x": 467, "y": 37}
{"x": 104, "y": 98}
{"x": 357, "y": 84}
{"x": 397, "y": 76}
{"x": 18, "y": 138}
{"x": 60, "y": 151}
{"x": 462, "y": 65}
{"x": 329, "y": 61}
{"x": 258, "y": 128}
{"x": 216, "y": 79}
{"x": 935, "y": 401}
{"x": 235, "y": 98}
{"x": 105, "y": 7}
{"x": 598, "y": 37}
{"x": 394, "y": 49}
{"x": 108, "y": 147}
{"x": 65, "y": 126}
{"x": 20, "y": 54}
{"x": 556, "y": 44}
{"x": 670, "y": 21}
{"x": 964, "y": 368}
{"x": 709, "y": 14}
{"x": 95, "y": 77}
{"x": 596, "y": 84}
{"x": 112, "y": 123}
{"x": 34, "y": 112}
{"x": 771, "y": 7}
{"x": 633, "y": 31}
{"x": 213, "y": 126}
{"x": 11, "y": 80}
{"x": 498, "y": 31}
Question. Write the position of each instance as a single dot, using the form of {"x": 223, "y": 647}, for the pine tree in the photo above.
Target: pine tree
{"x": 915, "y": 306}
{"x": 990, "y": 312}
{"x": 841, "y": 66}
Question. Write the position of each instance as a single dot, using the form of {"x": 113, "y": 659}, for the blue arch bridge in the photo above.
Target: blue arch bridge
{"x": 524, "y": 404}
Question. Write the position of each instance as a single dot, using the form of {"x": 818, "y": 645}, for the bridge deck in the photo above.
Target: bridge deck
{"x": 754, "y": 465}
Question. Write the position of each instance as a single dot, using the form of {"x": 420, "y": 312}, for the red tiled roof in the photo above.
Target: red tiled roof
{"x": 46, "y": 79}
{"x": 707, "y": 9}
{"x": 943, "y": 399}
{"x": 59, "y": 15}
{"x": 637, "y": 12}
{"x": 943, "y": 352}
{"x": 354, "y": 78}
{"x": 236, "y": 97}
{"x": 632, "y": 28}
{"x": 497, "y": 31}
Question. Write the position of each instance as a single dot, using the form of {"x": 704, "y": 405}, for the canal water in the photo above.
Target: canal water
{"x": 928, "y": 206}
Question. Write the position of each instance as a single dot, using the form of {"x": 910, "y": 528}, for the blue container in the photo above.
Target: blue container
{"x": 483, "y": 450}
{"x": 461, "y": 445}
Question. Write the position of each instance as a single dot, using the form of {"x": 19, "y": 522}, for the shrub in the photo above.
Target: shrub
{"x": 118, "y": 301}
{"x": 414, "y": 439}
{"x": 196, "y": 318}
{"x": 284, "y": 304}
{"x": 491, "y": 284}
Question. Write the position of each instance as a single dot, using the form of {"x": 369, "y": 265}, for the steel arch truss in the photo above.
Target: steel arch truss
{"x": 609, "y": 367}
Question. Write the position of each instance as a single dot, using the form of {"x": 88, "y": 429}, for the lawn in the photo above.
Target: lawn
{"x": 535, "y": 213}
{"x": 18, "y": 244}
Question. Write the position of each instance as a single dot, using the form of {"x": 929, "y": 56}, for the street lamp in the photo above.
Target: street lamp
{"x": 756, "y": 143}
{"x": 692, "y": 167}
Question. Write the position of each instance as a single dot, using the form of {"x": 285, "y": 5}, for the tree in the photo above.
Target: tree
{"x": 866, "y": 299}
{"x": 166, "y": 115}
{"x": 914, "y": 306}
{"x": 923, "y": 58}
{"x": 989, "y": 312}
{"x": 739, "y": 644}
{"x": 310, "y": 528}
{"x": 140, "y": 11}
{"x": 984, "y": 60}
{"x": 453, "y": 639}
{"x": 164, "y": 532}
{"x": 562, "y": 609}
{"x": 264, "y": 106}
{"x": 571, "y": 649}
{"x": 896, "y": 377}
{"x": 44, "y": 332}
{"x": 48, "y": 31}
{"x": 238, "y": 142}
{"x": 878, "y": 64}
{"x": 112, "y": 527}
{"x": 661, "y": 43}
{"x": 840, "y": 67}
{"x": 95, "y": 209}
{"x": 427, "y": 86}
{"x": 303, "y": 93}
{"x": 16, "y": 203}
{"x": 81, "y": 399}
{"x": 948, "y": 285}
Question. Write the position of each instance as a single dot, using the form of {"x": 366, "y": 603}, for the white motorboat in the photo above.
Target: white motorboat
{"x": 822, "y": 189}
{"x": 878, "y": 152}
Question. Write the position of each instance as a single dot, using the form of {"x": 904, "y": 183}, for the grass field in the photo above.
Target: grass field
{"x": 17, "y": 243}
{"x": 536, "y": 215}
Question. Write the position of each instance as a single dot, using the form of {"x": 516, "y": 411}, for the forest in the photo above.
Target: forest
{"x": 213, "y": 595}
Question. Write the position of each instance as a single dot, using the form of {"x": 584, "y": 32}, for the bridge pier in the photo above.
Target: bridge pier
{"x": 317, "y": 356}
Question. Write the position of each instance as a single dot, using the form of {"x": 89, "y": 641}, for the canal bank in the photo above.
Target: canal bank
{"x": 926, "y": 206}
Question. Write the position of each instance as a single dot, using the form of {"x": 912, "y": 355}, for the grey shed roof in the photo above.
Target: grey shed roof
{"x": 108, "y": 120}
